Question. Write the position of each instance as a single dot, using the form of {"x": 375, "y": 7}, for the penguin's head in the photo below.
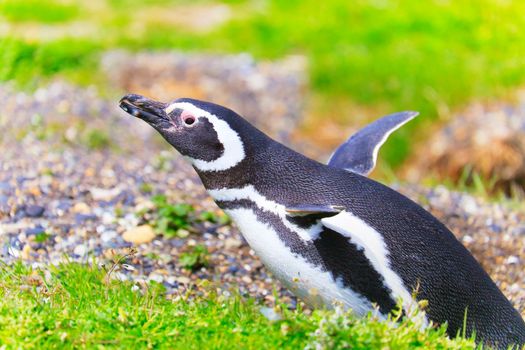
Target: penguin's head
{"x": 208, "y": 135}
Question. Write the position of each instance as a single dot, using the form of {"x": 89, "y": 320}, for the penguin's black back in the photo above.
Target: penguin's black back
{"x": 433, "y": 262}
{"x": 422, "y": 251}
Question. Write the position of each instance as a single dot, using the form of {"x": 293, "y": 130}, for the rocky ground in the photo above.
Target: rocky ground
{"x": 485, "y": 138}
{"x": 77, "y": 177}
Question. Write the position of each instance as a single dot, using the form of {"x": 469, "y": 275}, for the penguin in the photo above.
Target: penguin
{"x": 328, "y": 233}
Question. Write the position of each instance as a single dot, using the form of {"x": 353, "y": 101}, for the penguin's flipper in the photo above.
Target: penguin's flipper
{"x": 359, "y": 153}
{"x": 313, "y": 209}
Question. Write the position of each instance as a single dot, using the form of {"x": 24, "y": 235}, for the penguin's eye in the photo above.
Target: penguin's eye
{"x": 189, "y": 120}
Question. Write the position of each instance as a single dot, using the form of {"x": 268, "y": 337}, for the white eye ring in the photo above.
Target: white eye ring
{"x": 189, "y": 120}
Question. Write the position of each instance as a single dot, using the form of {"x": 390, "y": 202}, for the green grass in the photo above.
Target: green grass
{"x": 428, "y": 56}
{"x": 28, "y": 62}
{"x": 97, "y": 139}
{"x": 45, "y": 11}
{"x": 385, "y": 56}
{"x": 196, "y": 258}
{"x": 76, "y": 306}
{"x": 177, "y": 219}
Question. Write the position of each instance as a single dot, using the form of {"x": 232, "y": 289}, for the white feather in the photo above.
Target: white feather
{"x": 375, "y": 249}
{"x": 251, "y": 194}
{"x": 383, "y": 140}
{"x": 233, "y": 147}
{"x": 307, "y": 281}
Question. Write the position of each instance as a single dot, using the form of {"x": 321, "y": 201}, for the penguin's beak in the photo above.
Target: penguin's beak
{"x": 150, "y": 111}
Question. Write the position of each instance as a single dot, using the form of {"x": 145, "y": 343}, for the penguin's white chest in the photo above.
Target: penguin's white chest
{"x": 309, "y": 282}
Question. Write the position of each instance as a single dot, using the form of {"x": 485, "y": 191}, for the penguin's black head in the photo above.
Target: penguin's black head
{"x": 208, "y": 135}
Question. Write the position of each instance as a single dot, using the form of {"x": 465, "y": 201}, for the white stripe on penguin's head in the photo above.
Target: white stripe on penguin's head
{"x": 233, "y": 152}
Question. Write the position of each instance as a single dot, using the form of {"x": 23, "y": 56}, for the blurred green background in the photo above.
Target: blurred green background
{"x": 365, "y": 58}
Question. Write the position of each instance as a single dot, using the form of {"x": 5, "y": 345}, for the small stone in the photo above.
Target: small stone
{"x": 232, "y": 243}
{"x": 469, "y": 205}
{"x": 129, "y": 221}
{"x": 171, "y": 280}
{"x": 103, "y": 194}
{"x": 140, "y": 234}
{"x": 80, "y": 218}
{"x": 519, "y": 230}
{"x": 183, "y": 280}
{"x": 25, "y": 252}
{"x": 270, "y": 314}
{"x": 13, "y": 252}
{"x": 5, "y": 187}
{"x": 233, "y": 269}
{"x": 495, "y": 228}
{"x": 80, "y": 250}
{"x": 62, "y": 207}
{"x": 34, "y": 191}
{"x": 176, "y": 242}
{"x": 81, "y": 208}
{"x": 156, "y": 277}
{"x": 144, "y": 206}
{"x": 35, "y": 230}
{"x": 108, "y": 218}
{"x": 34, "y": 211}
{"x": 182, "y": 233}
{"x": 468, "y": 239}
{"x": 108, "y": 236}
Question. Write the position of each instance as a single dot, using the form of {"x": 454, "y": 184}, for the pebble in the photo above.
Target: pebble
{"x": 270, "y": 314}
{"x": 104, "y": 194}
{"x": 108, "y": 218}
{"x": 25, "y": 253}
{"x": 35, "y": 230}
{"x": 233, "y": 269}
{"x": 63, "y": 207}
{"x": 156, "y": 277}
{"x": 5, "y": 187}
{"x": 81, "y": 250}
{"x": 108, "y": 236}
{"x": 81, "y": 208}
{"x": 80, "y": 218}
{"x": 183, "y": 280}
{"x": 232, "y": 243}
{"x": 140, "y": 234}
{"x": 34, "y": 211}
{"x": 13, "y": 252}
{"x": 171, "y": 280}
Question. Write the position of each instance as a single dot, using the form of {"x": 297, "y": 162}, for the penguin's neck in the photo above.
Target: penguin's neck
{"x": 264, "y": 157}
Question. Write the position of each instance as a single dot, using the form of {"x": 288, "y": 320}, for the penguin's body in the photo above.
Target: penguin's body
{"x": 328, "y": 234}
